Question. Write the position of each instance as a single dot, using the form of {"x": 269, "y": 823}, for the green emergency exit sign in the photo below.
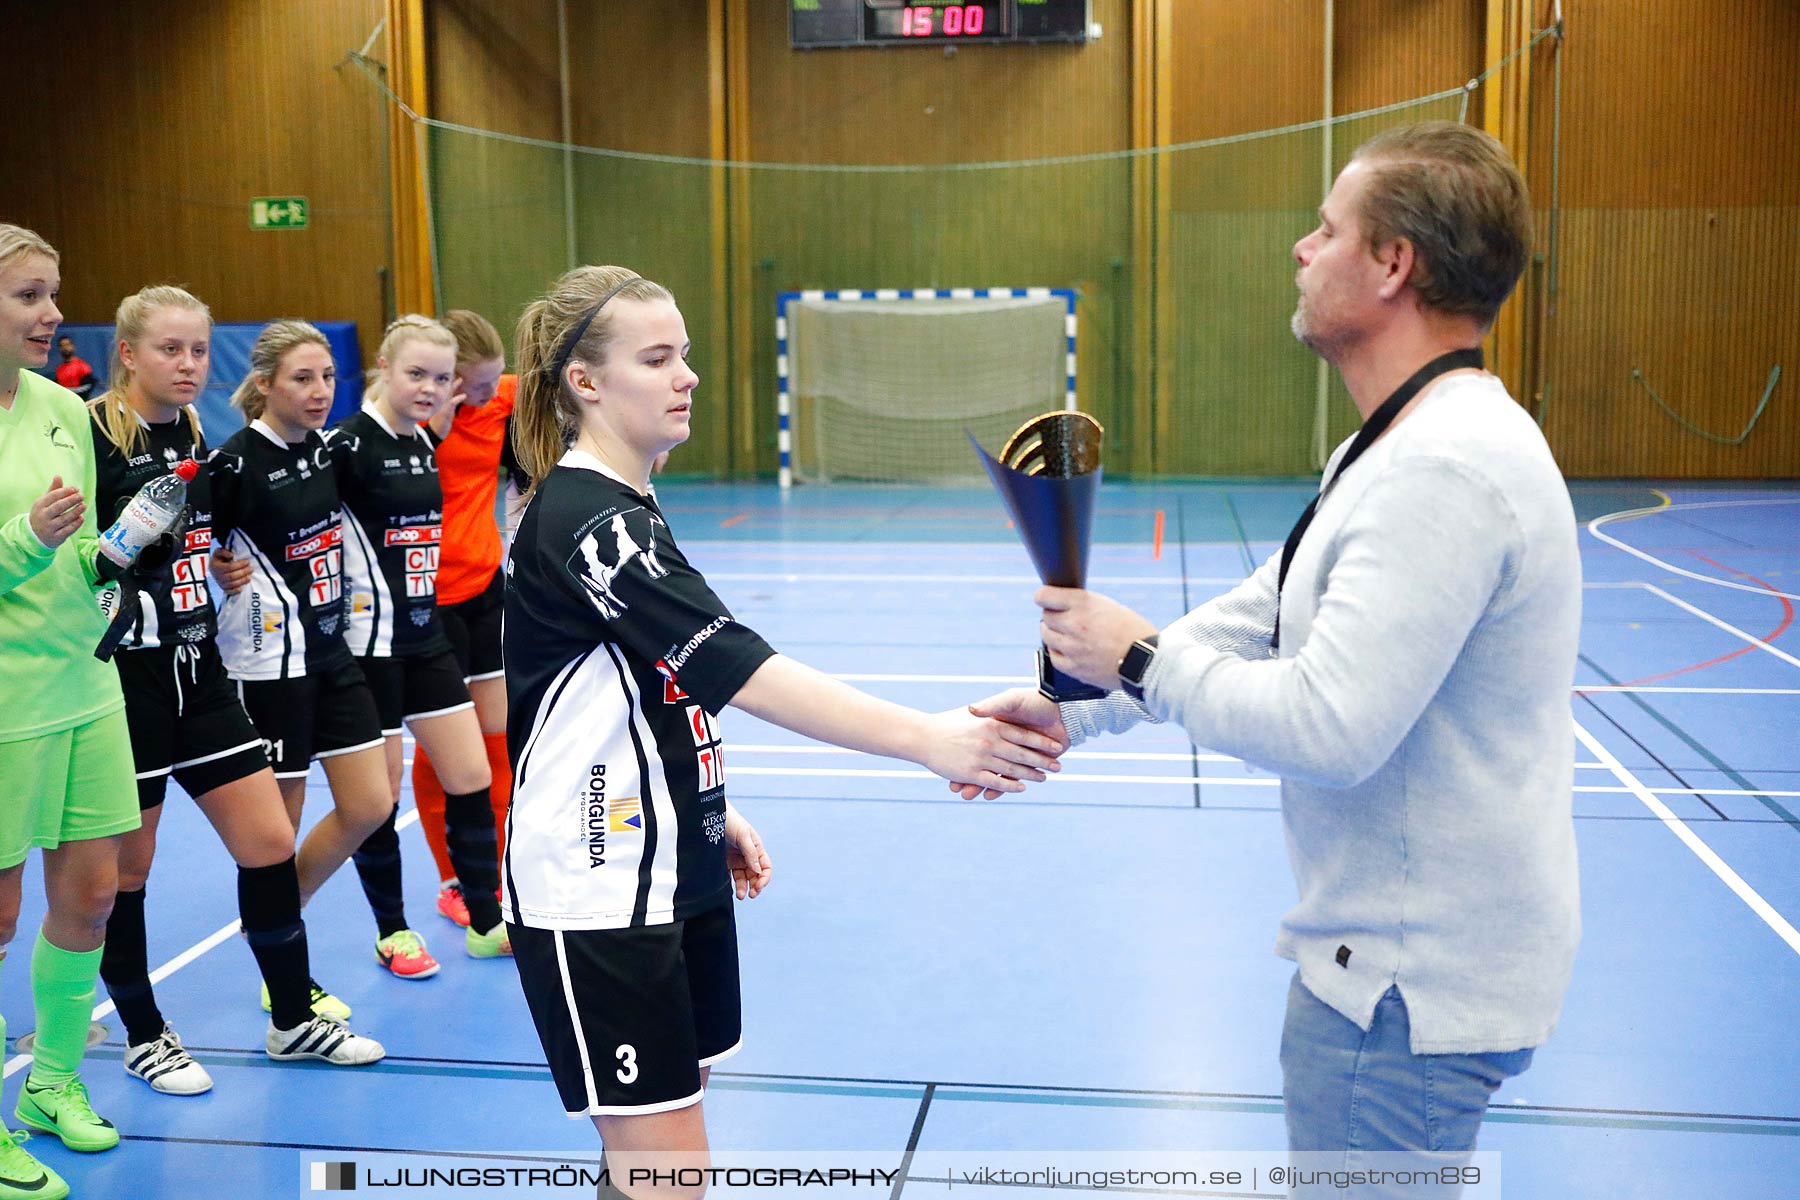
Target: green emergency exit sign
{"x": 278, "y": 212}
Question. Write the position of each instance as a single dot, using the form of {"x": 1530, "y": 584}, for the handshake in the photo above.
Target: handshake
{"x": 997, "y": 745}
{"x": 1018, "y": 735}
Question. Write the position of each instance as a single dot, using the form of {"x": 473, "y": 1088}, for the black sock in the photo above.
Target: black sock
{"x": 378, "y": 866}
{"x": 125, "y": 968}
{"x": 469, "y": 836}
{"x": 269, "y": 907}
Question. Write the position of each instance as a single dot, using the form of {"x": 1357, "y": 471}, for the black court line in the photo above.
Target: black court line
{"x": 1691, "y": 524}
{"x": 1243, "y": 541}
{"x": 1187, "y": 606}
{"x": 1693, "y": 743}
{"x": 912, "y": 1141}
{"x": 1656, "y": 758}
{"x": 334, "y": 1148}
{"x": 1000, "y": 1089}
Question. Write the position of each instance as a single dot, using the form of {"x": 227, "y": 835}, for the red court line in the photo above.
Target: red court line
{"x": 1787, "y": 619}
{"x": 1156, "y": 540}
{"x": 730, "y": 521}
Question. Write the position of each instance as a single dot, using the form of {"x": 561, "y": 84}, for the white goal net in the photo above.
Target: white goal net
{"x": 881, "y": 386}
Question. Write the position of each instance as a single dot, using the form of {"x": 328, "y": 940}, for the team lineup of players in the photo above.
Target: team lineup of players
{"x": 334, "y": 587}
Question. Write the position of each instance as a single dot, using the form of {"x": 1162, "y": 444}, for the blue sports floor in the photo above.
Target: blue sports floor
{"x": 1086, "y": 967}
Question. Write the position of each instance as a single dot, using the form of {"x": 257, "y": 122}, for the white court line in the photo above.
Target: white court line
{"x": 1678, "y": 602}
{"x": 1208, "y": 780}
{"x": 1693, "y": 691}
{"x": 1594, "y": 525}
{"x": 1097, "y": 583}
{"x": 1717, "y": 865}
{"x": 1105, "y": 755}
{"x": 19, "y": 1062}
{"x": 1111, "y": 755}
{"x": 1018, "y": 680}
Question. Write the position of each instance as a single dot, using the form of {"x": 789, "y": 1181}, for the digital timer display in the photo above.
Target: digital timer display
{"x": 819, "y": 23}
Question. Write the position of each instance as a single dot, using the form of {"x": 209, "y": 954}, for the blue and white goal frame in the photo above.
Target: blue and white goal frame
{"x": 783, "y": 401}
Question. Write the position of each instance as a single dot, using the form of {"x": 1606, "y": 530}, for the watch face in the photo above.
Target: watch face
{"x": 1137, "y": 661}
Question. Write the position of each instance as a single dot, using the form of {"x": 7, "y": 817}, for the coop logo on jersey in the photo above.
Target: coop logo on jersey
{"x": 602, "y": 556}
{"x": 416, "y": 535}
{"x": 317, "y": 544}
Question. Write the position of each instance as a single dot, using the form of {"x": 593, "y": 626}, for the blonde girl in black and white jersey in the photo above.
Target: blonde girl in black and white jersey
{"x": 281, "y": 630}
{"x": 184, "y": 714}
{"x": 619, "y": 658}
{"x": 393, "y": 523}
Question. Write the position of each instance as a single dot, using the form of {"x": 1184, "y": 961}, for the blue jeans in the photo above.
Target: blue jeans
{"x": 1352, "y": 1093}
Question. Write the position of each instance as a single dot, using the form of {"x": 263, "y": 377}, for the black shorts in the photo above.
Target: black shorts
{"x": 415, "y": 686}
{"x": 473, "y": 626}
{"x": 314, "y": 716}
{"x": 185, "y": 721}
{"x": 651, "y": 1006}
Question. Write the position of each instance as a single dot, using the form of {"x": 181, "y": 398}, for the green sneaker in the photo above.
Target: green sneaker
{"x": 23, "y": 1176}
{"x": 493, "y": 944}
{"x": 65, "y": 1111}
{"x": 324, "y": 1004}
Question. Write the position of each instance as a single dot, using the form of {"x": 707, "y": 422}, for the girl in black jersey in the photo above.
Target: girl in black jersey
{"x": 393, "y": 529}
{"x": 184, "y": 714}
{"x": 281, "y": 631}
{"x": 622, "y": 853}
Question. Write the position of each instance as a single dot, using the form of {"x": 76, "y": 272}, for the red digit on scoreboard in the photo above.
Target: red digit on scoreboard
{"x": 953, "y": 20}
{"x": 974, "y": 16}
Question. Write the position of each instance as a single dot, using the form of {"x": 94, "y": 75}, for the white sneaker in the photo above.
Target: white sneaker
{"x": 166, "y": 1066}
{"x": 326, "y": 1040}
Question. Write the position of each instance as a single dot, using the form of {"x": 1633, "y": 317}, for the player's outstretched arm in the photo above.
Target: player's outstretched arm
{"x": 1018, "y": 706}
{"x": 957, "y": 744}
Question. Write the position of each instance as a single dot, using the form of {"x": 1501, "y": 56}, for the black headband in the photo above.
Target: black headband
{"x": 581, "y": 328}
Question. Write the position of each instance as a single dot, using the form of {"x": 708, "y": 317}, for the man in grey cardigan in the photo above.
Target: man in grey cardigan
{"x": 1404, "y": 665}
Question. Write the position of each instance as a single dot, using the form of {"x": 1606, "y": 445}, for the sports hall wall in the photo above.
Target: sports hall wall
{"x": 1677, "y": 171}
{"x": 136, "y": 134}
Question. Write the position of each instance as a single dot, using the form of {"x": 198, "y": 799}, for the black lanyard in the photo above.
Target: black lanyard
{"x": 1374, "y": 427}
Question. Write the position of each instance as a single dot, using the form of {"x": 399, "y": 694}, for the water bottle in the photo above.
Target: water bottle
{"x": 151, "y": 513}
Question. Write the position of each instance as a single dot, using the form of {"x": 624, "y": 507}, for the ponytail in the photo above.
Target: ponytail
{"x": 545, "y": 415}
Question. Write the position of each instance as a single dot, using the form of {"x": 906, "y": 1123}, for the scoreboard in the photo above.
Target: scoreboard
{"x": 820, "y": 23}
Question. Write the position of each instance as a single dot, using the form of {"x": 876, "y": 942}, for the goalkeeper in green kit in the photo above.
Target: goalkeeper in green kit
{"x": 67, "y": 783}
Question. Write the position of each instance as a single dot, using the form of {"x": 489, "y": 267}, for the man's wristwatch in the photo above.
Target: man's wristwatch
{"x": 1135, "y": 665}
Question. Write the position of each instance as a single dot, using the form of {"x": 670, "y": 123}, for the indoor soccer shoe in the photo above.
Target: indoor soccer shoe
{"x": 324, "y": 1004}
{"x": 404, "y": 954}
{"x": 451, "y": 904}
{"x": 64, "y": 1110}
{"x": 324, "y": 1039}
{"x": 24, "y": 1176}
{"x": 166, "y": 1066}
{"x": 492, "y": 944}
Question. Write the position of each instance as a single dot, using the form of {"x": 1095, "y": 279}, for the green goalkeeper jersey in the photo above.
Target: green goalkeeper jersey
{"x": 50, "y": 621}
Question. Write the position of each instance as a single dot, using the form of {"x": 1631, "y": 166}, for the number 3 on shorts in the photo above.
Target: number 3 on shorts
{"x": 628, "y": 1071}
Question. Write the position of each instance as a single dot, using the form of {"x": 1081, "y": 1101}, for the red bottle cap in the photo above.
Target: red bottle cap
{"x": 187, "y": 468}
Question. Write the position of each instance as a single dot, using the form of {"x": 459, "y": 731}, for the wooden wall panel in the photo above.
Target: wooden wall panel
{"x": 1243, "y": 391}
{"x": 1680, "y": 237}
{"x": 1680, "y": 172}
{"x": 159, "y": 123}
